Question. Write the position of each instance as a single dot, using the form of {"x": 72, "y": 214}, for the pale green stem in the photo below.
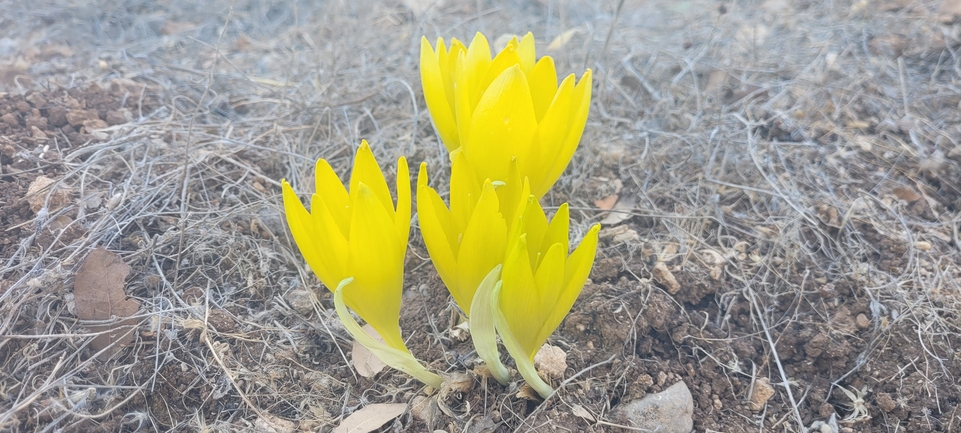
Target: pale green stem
{"x": 525, "y": 366}
{"x": 482, "y": 326}
{"x": 399, "y": 359}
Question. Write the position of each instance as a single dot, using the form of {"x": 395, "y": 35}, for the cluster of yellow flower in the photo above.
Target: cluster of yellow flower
{"x": 511, "y": 131}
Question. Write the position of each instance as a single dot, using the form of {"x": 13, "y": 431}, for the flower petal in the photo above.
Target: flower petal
{"x": 534, "y": 225}
{"x": 322, "y": 246}
{"x": 366, "y": 170}
{"x": 464, "y": 191}
{"x": 558, "y": 229}
{"x": 520, "y": 300}
{"x": 523, "y": 360}
{"x": 543, "y": 82}
{"x": 503, "y": 61}
{"x": 549, "y": 279}
{"x": 402, "y": 214}
{"x": 435, "y": 94}
{"x": 436, "y": 229}
{"x": 578, "y": 119}
{"x": 482, "y": 247}
{"x": 334, "y": 195}
{"x": 525, "y": 51}
{"x": 376, "y": 261}
{"x": 546, "y": 149}
{"x": 478, "y": 60}
{"x": 502, "y": 124}
{"x": 576, "y": 271}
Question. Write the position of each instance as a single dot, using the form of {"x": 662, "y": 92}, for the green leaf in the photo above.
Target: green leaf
{"x": 396, "y": 358}
{"x": 525, "y": 366}
{"x": 482, "y": 326}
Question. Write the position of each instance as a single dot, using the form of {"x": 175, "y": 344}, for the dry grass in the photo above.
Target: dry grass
{"x": 780, "y": 139}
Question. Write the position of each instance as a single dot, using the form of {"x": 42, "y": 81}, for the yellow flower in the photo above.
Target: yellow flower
{"x": 466, "y": 241}
{"x": 495, "y": 110}
{"x": 539, "y": 284}
{"x": 355, "y": 241}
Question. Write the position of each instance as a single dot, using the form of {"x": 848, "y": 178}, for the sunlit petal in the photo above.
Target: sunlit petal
{"x": 334, "y": 195}
{"x": 366, "y": 170}
{"x": 402, "y": 214}
{"x": 482, "y": 247}
{"x": 437, "y": 229}
{"x": 310, "y": 238}
{"x": 502, "y": 123}
{"x": 545, "y": 149}
{"x": 526, "y": 54}
{"x": 520, "y": 300}
{"x": 543, "y": 82}
{"x": 580, "y": 109}
{"x": 435, "y": 94}
{"x": 376, "y": 262}
{"x": 577, "y": 269}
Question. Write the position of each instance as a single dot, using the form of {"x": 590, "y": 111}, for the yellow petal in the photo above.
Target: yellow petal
{"x": 478, "y": 60}
{"x": 402, "y": 214}
{"x": 580, "y": 108}
{"x": 577, "y": 269}
{"x": 465, "y": 95}
{"x": 329, "y": 237}
{"x": 502, "y": 124}
{"x": 482, "y": 247}
{"x": 367, "y": 171}
{"x": 435, "y": 95}
{"x": 376, "y": 261}
{"x": 464, "y": 191}
{"x": 557, "y": 230}
{"x": 523, "y": 360}
{"x": 534, "y": 225}
{"x": 334, "y": 195}
{"x": 510, "y": 193}
{"x": 546, "y": 149}
{"x": 502, "y": 62}
{"x": 525, "y": 51}
{"x": 324, "y": 249}
{"x": 549, "y": 279}
{"x": 519, "y": 298}
{"x": 435, "y": 227}
{"x": 543, "y": 82}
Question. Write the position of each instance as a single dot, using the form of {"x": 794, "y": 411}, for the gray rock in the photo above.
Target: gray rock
{"x": 669, "y": 411}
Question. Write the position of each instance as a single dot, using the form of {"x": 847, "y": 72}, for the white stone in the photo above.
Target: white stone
{"x": 669, "y": 411}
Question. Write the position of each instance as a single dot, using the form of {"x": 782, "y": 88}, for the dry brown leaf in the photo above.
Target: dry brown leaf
{"x": 370, "y": 418}
{"x": 621, "y": 211}
{"x": 37, "y": 194}
{"x": 366, "y": 363}
{"x": 562, "y": 39}
{"x": 664, "y": 276}
{"x": 906, "y": 194}
{"x": 418, "y": 7}
{"x": 951, "y": 7}
{"x": 579, "y": 411}
{"x": 761, "y": 393}
{"x": 98, "y": 292}
{"x": 606, "y": 203}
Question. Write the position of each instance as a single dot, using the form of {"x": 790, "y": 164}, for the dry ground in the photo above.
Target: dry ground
{"x": 795, "y": 166}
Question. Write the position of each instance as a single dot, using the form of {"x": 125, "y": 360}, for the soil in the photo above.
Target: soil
{"x": 41, "y": 127}
{"x": 793, "y": 198}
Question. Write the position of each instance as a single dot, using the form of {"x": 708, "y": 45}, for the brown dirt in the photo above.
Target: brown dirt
{"x": 38, "y": 129}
